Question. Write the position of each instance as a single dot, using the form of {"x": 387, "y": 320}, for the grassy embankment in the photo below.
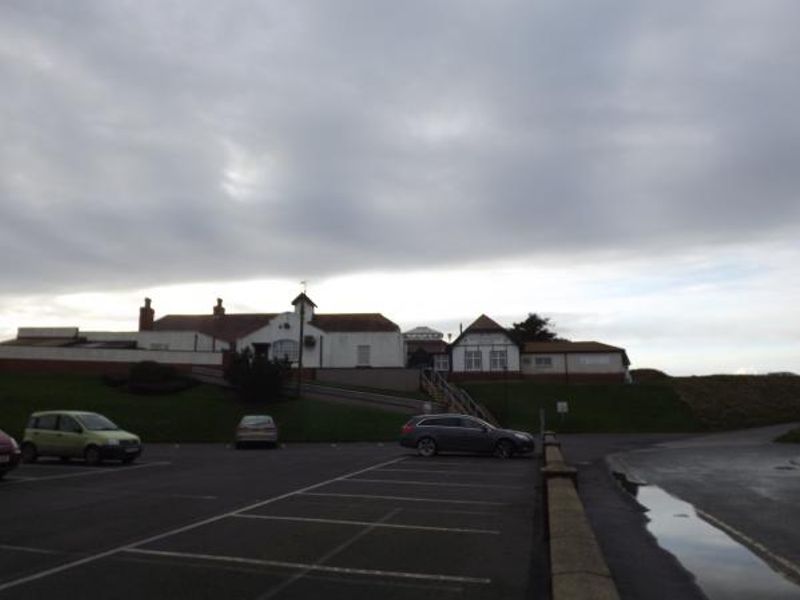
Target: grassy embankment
{"x": 592, "y": 408}
{"x": 200, "y": 414}
{"x": 657, "y": 404}
{"x": 790, "y": 437}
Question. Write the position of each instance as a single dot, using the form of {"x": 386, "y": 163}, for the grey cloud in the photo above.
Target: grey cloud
{"x": 174, "y": 141}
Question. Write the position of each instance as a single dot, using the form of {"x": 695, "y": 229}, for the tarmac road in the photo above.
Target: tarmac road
{"x": 306, "y": 521}
{"x": 739, "y": 482}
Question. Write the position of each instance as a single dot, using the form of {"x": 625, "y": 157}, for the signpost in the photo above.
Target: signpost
{"x": 562, "y": 407}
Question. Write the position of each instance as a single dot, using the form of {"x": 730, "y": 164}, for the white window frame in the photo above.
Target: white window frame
{"x": 441, "y": 362}
{"x": 287, "y": 348}
{"x": 473, "y": 360}
{"x": 498, "y": 360}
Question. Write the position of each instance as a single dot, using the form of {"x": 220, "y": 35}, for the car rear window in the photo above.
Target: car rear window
{"x": 257, "y": 420}
{"x": 45, "y": 422}
{"x": 441, "y": 422}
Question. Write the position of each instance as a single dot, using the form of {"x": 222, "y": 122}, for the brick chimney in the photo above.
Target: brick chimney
{"x": 219, "y": 310}
{"x": 146, "y": 315}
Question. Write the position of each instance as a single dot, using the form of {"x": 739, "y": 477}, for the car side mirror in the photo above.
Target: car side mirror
{"x": 77, "y": 429}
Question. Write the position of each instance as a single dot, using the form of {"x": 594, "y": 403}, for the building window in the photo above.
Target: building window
{"x": 441, "y": 362}
{"x": 362, "y": 356}
{"x": 543, "y": 362}
{"x": 498, "y": 360}
{"x": 473, "y": 360}
{"x": 285, "y": 350}
{"x": 159, "y": 346}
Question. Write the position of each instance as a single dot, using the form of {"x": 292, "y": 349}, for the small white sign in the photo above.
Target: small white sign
{"x": 562, "y": 408}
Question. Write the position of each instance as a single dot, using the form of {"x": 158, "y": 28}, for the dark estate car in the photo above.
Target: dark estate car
{"x": 9, "y": 453}
{"x": 430, "y": 434}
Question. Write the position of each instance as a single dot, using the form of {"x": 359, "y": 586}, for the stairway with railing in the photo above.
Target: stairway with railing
{"x": 453, "y": 398}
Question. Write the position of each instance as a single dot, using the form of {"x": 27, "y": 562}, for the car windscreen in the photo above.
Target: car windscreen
{"x": 95, "y": 422}
{"x": 257, "y": 420}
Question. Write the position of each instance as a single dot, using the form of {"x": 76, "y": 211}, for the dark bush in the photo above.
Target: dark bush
{"x": 256, "y": 378}
{"x": 149, "y": 371}
{"x": 149, "y": 377}
{"x": 114, "y": 379}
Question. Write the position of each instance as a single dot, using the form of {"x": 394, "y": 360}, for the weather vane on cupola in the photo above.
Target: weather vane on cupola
{"x": 304, "y": 283}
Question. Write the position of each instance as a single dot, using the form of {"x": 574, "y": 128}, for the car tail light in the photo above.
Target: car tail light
{"x": 407, "y": 428}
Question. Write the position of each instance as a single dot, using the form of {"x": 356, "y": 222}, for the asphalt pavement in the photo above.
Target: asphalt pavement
{"x": 304, "y": 521}
{"x": 741, "y": 484}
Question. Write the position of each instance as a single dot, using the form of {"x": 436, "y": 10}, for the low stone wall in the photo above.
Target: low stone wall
{"x": 25, "y": 359}
{"x": 399, "y": 379}
{"x": 577, "y": 565}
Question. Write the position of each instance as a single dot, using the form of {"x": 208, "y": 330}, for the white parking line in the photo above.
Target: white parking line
{"x": 437, "y": 483}
{"x": 408, "y": 498}
{"x": 450, "y": 472}
{"x": 195, "y": 525}
{"x": 369, "y": 523}
{"x": 86, "y": 473}
{"x": 313, "y": 567}
{"x": 332, "y": 554}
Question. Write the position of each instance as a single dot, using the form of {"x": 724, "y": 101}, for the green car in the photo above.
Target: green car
{"x": 77, "y": 434}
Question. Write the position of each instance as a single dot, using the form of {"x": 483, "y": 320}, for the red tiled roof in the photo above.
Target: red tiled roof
{"x": 561, "y": 347}
{"x": 223, "y": 327}
{"x": 354, "y": 322}
{"x": 54, "y": 342}
{"x": 484, "y": 323}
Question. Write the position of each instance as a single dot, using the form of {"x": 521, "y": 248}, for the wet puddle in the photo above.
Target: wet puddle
{"x": 724, "y": 569}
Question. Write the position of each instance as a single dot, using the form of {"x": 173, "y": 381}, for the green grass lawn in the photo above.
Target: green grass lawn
{"x": 201, "y": 414}
{"x": 645, "y": 408}
{"x": 790, "y": 437}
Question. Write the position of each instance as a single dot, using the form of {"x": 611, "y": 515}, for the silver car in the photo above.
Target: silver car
{"x": 256, "y": 429}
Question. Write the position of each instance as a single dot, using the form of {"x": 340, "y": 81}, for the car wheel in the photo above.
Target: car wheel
{"x": 92, "y": 455}
{"x": 29, "y": 453}
{"x": 504, "y": 449}
{"x": 426, "y": 447}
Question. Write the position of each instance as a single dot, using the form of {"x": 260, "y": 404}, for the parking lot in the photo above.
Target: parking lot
{"x": 206, "y": 521}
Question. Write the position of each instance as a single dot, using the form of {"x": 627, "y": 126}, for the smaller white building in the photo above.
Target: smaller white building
{"x": 574, "y": 362}
{"x": 484, "y": 349}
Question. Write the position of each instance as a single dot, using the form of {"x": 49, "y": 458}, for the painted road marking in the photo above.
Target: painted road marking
{"x": 408, "y": 498}
{"x": 437, "y": 483}
{"x": 336, "y": 551}
{"x": 369, "y": 523}
{"x": 86, "y": 473}
{"x": 313, "y": 567}
{"x": 191, "y": 526}
{"x": 450, "y": 472}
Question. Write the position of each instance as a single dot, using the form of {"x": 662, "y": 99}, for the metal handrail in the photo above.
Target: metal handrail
{"x": 455, "y": 398}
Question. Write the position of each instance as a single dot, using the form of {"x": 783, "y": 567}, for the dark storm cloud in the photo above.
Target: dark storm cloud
{"x": 152, "y": 142}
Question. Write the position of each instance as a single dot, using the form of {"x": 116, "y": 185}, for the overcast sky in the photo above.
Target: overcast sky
{"x": 629, "y": 169}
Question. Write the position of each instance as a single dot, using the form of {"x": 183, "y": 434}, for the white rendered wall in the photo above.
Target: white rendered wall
{"x": 188, "y": 341}
{"x": 485, "y": 342}
{"x": 276, "y": 330}
{"x": 578, "y": 363}
{"x": 340, "y": 349}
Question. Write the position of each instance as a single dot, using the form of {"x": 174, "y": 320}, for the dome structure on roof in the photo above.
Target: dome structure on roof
{"x": 423, "y": 333}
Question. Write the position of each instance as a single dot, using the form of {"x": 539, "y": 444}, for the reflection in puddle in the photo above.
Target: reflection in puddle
{"x": 724, "y": 569}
